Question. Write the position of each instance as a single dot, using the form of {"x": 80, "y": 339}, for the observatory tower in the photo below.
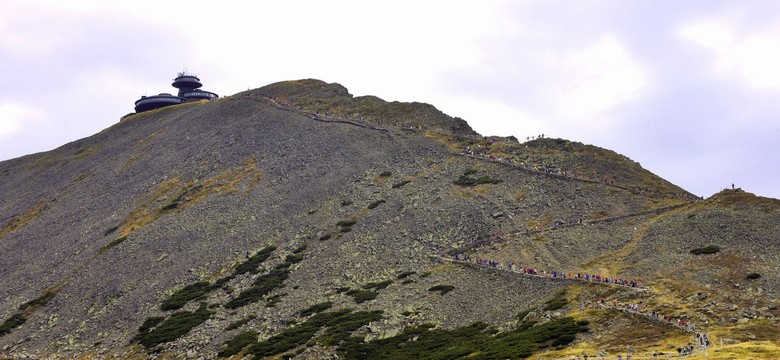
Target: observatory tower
{"x": 189, "y": 90}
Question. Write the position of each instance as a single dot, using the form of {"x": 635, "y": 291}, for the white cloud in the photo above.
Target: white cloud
{"x": 754, "y": 57}
{"x": 595, "y": 79}
{"x": 12, "y": 117}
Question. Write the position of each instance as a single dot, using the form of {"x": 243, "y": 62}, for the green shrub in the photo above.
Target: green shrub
{"x": 181, "y": 297}
{"x": 263, "y": 285}
{"x": 346, "y": 229}
{"x": 386, "y": 174}
{"x": 558, "y": 301}
{"x": 425, "y": 274}
{"x": 252, "y": 263}
{"x": 374, "y": 204}
{"x": 273, "y": 300}
{"x": 378, "y": 286}
{"x": 240, "y": 323}
{"x": 325, "y": 237}
{"x": 405, "y": 274}
{"x": 442, "y": 289}
{"x": 111, "y": 230}
{"x": 39, "y": 301}
{"x": 469, "y": 172}
{"x": 293, "y": 259}
{"x": 178, "y": 325}
{"x": 467, "y": 181}
{"x": 113, "y": 243}
{"x": 15, "y": 321}
{"x": 753, "y": 276}
{"x": 346, "y": 203}
{"x": 401, "y": 184}
{"x": 474, "y": 341}
{"x": 300, "y": 249}
{"x": 362, "y": 296}
{"x": 238, "y": 343}
{"x": 342, "y": 289}
{"x": 709, "y": 249}
{"x": 316, "y": 308}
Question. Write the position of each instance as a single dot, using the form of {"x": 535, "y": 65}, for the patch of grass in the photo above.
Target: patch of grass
{"x": 386, "y": 174}
{"x": 558, "y": 301}
{"x": 178, "y": 325}
{"x": 405, "y": 274}
{"x": 300, "y": 249}
{"x": 346, "y": 203}
{"x": 346, "y": 229}
{"x": 709, "y": 249}
{"x": 425, "y": 274}
{"x": 401, "y": 184}
{"x": 39, "y": 301}
{"x": 342, "y": 289}
{"x": 325, "y": 237}
{"x": 442, "y": 289}
{"x": 110, "y": 230}
{"x": 15, "y": 321}
{"x": 362, "y": 296}
{"x": 374, "y": 204}
{"x": 407, "y": 281}
{"x": 316, "y": 308}
{"x": 188, "y": 293}
{"x": 238, "y": 343}
{"x": 469, "y": 172}
{"x": 753, "y": 276}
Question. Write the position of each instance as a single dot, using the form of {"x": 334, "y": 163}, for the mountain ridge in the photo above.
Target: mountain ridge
{"x": 185, "y": 193}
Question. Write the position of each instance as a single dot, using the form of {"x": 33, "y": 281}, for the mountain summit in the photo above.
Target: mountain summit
{"x": 296, "y": 220}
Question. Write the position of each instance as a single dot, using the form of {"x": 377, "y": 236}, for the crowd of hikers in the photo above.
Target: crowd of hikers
{"x": 552, "y": 274}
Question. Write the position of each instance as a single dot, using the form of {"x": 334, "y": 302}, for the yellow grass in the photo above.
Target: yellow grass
{"x": 19, "y": 221}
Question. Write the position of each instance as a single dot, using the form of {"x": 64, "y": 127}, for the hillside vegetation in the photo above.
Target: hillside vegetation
{"x": 298, "y": 221}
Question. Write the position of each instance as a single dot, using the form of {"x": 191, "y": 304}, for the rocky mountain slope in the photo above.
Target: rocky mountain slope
{"x": 297, "y": 220}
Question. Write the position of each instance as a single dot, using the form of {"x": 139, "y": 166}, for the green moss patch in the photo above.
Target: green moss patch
{"x": 558, "y": 301}
{"x": 468, "y": 181}
{"x": 252, "y": 263}
{"x": 39, "y": 301}
{"x": 263, "y": 285}
{"x": 240, "y": 323}
{"x": 405, "y": 274}
{"x": 362, "y": 296}
{"x": 378, "y": 285}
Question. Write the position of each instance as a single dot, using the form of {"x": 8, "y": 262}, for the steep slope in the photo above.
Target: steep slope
{"x": 164, "y": 230}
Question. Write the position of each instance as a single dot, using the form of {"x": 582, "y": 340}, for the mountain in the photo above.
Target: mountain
{"x": 298, "y": 220}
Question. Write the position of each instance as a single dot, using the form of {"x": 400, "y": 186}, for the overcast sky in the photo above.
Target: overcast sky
{"x": 690, "y": 89}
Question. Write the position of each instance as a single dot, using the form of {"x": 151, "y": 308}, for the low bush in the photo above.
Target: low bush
{"x": 253, "y": 262}
{"x": 346, "y": 229}
{"x": 346, "y": 223}
{"x": 362, "y": 296}
{"x": 346, "y": 203}
{"x": 181, "y": 297}
{"x": 468, "y": 182}
{"x": 401, "y": 184}
{"x": 263, "y": 285}
{"x": 442, "y": 289}
{"x": 425, "y": 274}
{"x": 273, "y": 300}
{"x": 240, "y": 323}
{"x": 325, "y": 237}
{"x": 178, "y": 325}
{"x": 378, "y": 286}
{"x": 374, "y": 204}
{"x": 709, "y": 249}
{"x": 39, "y": 301}
{"x": 316, "y": 308}
{"x": 469, "y": 172}
{"x": 753, "y": 276}
{"x": 558, "y": 301}
{"x": 405, "y": 274}
{"x": 113, "y": 243}
{"x": 238, "y": 343}
{"x": 15, "y": 321}
{"x": 386, "y": 174}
